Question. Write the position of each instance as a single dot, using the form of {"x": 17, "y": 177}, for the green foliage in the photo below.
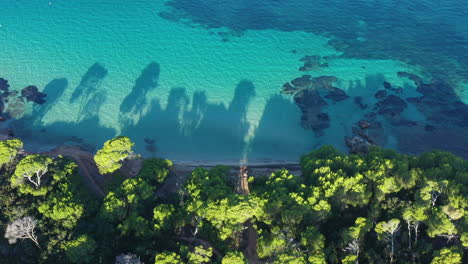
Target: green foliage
{"x": 439, "y": 224}
{"x": 62, "y": 205}
{"x": 233, "y": 257}
{"x": 384, "y": 229}
{"x": 109, "y": 158}
{"x": 290, "y": 259}
{"x": 447, "y": 256}
{"x": 155, "y": 171}
{"x": 162, "y": 215}
{"x": 312, "y": 239}
{"x": 200, "y": 255}
{"x": 80, "y": 250}
{"x": 8, "y": 150}
{"x": 338, "y": 211}
{"x": 167, "y": 258}
{"x": 271, "y": 243}
{"x": 28, "y": 176}
{"x": 350, "y": 259}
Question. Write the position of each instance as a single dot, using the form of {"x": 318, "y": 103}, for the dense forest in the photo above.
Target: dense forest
{"x": 379, "y": 207}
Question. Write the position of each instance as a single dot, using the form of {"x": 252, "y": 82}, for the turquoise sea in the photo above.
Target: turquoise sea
{"x": 201, "y": 80}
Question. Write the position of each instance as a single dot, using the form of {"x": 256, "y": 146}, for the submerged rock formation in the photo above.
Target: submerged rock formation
{"x": 312, "y": 62}
{"x": 391, "y": 107}
{"x": 359, "y": 102}
{"x": 12, "y": 103}
{"x": 388, "y": 86}
{"x": 4, "y": 85}
{"x": 357, "y": 144}
{"x": 32, "y": 94}
{"x": 380, "y": 94}
{"x": 310, "y": 102}
{"x": 336, "y": 94}
{"x": 439, "y": 103}
{"x": 307, "y": 96}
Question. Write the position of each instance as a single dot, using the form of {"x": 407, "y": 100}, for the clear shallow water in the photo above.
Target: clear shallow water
{"x": 203, "y": 78}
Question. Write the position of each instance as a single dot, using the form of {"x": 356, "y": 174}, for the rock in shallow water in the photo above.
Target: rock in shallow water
{"x": 31, "y": 93}
{"x": 4, "y": 85}
{"x": 359, "y": 102}
{"x": 336, "y": 94}
{"x": 310, "y": 102}
{"x": 357, "y": 144}
{"x": 380, "y": 94}
{"x": 391, "y": 107}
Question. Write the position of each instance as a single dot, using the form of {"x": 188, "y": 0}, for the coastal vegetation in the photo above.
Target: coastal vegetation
{"x": 379, "y": 207}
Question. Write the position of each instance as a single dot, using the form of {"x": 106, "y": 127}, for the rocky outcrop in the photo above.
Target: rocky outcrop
{"x": 4, "y": 85}
{"x": 416, "y": 79}
{"x": 391, "y": 106}
{"x": 388, "y": 86}
{"x": 360, "y": 103}
{"x": 32, "y": 94}
{"x": 307, "y": 82}
{"x": 307, "y": 96}
{"x": 439, "y": 103}
{"x": 336, "y": 94}
{"x": 380, "y": 94}
{"x": 363, "y": 124}
{"x": 357, "y": 144}
{"x": 310, "y": 103}
{"x": 312, "y": 62}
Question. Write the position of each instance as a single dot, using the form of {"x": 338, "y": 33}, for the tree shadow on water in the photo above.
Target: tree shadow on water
{"x": 196, "y": 128}
{"x": 54, "y": 91}
{"x": 136, "y": 100}
{"x": 85, "y": 131}
{"x": 89, "y": 82}
{"x": 279, "y": 134}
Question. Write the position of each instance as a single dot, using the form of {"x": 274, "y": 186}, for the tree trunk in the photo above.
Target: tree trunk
{"x": 409, "y": 234}
{"x": 391, "y": 253}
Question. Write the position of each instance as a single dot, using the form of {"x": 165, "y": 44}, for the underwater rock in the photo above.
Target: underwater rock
{"x": 357, "y": 144}
{"x": 416, "y": 79}
{"x": 391, "y": 107}
{"x": 307, "y": 97}
{"x": 358, "y": 101}
{"x": 4, "y": 85}
{"x": 15, "y": 106}
{"x": 324, "y": 82}
{"x": 310, "y": 103}
{"x": 388, "y": 86}
{"x": 336, "y": 94}
{"x": 307, "y": 82}
{"x": 31, "y": 93}
{"x": 289, "y": 89}
{"x": 380, "y": 94}
{"x": 363, "y": 124}
{"x": 439, "y": 103}
{"x": 312, "y": 62}
{"x": 302, "y": 82}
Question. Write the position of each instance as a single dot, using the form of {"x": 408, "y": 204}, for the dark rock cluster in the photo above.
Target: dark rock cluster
{"x": 310, "y": 102}
{"x": 360, "y": 103}
{"x": 13, "y": 102}
{"x": 312, "y": 62}
{"x": 307, "y": 95}
{"x": 439, "y": 103}
{"x": 4, "y": 85}
{"x": 32, "y": 94}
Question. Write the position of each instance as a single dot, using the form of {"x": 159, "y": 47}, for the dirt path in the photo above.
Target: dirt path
{"x": 86, "y": 165}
